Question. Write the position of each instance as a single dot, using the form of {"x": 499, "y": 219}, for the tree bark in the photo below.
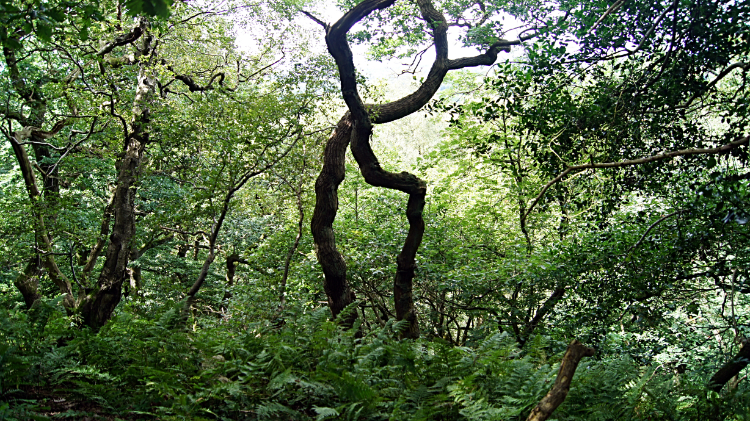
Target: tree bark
{"x": 335, "y": 284}
{"x": 576, "y": 351}
{"x": 40, "y": 228}
{"x": 731, "y": 368}
{"x": 356, "y": 127}
{"x": 99, "y": 305}
{"x": 32, "y": 99}
{"x": 28, "y": 282}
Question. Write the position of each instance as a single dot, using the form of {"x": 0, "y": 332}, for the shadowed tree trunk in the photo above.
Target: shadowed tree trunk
{"x": 99, "y": 305}
{"x": 731, "y": 368}
{"x": 47, "y": 258}
{"x": 28, "y": 282}
{"x": 356, "y": 128}
{"x": 575, "y": 352}
{"x": 337, "y": 288}
{"x": 232, "y": 261}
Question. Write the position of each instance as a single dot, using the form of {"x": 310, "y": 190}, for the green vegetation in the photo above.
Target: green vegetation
{"x": 185, "y": 235}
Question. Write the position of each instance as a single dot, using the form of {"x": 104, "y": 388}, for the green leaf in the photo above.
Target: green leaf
{"x": 158, "y": 8}
{"x": 44, "y": 31}
{"x": 325, "y": 412}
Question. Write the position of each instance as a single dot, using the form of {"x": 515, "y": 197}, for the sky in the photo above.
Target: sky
{"x": 371, "y": 69}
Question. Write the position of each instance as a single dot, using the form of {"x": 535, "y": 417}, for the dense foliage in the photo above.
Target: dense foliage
{"x": 584, "y": 177}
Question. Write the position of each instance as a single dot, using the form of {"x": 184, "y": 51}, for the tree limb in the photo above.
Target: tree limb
{"x": 660, "y": 157}
{"x": 576, "y": 351}
{"x": 731, "y": 368}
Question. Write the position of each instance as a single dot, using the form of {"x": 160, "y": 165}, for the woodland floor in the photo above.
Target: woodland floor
{"x": 58, "y": 402}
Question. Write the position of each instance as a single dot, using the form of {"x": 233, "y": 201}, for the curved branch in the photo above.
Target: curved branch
{"x": 559, "y": 391}
{"x": 124, "y": 39}
{"x": 643, "y": 237}
{"x": 660, "y": 157}
{"x": 731, "y": 368}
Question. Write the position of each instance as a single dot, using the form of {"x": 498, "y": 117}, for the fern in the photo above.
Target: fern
{"x": 325, "y": 412}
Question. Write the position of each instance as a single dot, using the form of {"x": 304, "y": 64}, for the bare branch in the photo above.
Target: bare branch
{"x": 659, "y": 221}
{"x": 653, "y": 158}
{"x": 316, "y": 20}
{"x": 719, "y": 77}
{"x": 609, "y": 11}
{"x": 124, "y": 39}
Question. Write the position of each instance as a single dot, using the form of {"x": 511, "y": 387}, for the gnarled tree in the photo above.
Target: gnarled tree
{"x": 355, "y": 129}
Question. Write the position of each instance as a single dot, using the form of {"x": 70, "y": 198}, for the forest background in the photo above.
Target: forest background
{"x": 185, "y": 234}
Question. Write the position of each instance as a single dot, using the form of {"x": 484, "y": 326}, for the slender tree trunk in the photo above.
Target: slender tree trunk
{"x": 540, "y": 314}
{"x": 48, "y": 260}
{"x": 335, "y": 283}
{"x": 100, "y": 304}
{"x": 293, "y": 249}
{"x": 559, "y": 391}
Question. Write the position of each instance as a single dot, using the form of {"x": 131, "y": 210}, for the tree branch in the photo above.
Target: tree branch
{"x": 731, "y": 368}
{"x": 559, "y": 391}
{"x": 662, "y": 156}
{"x": 124, "y": 39}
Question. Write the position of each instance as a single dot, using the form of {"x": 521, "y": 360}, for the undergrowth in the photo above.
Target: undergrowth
{"x": 309, "y": 368}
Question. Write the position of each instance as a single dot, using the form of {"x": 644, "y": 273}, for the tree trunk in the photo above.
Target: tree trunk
{"x": 232, "y": 261}
{"x": 40, "y": 228}
{"x": 576, "y": 351}
{"x": 356, "y": 127}
{"x": 731, "y": 368}
{"x": 100, "y": 304}
{"x": 293, "y": 249}
{"x": 28, "y": 282}
{"x": 331, "y": 175}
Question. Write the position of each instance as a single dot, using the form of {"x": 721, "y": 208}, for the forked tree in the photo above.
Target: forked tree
{"x": 355, "y": 129}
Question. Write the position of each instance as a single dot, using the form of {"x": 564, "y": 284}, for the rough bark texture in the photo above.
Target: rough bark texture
{"x": 28, "y": 282}
{"x": 576, "y": 351}
{"x": 356, "y": 127}
{"x": 331, "y": 175}
{"x": 99, "y": 305}
{"x": 47, "y": 258}
{"x": 731, "y": 368}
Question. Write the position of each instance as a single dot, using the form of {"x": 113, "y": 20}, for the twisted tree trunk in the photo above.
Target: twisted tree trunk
{"x": 337, "y": 288}
{"x": 356, "y": 128}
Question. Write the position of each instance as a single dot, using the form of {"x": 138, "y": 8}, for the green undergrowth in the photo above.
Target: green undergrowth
{"x": 309, "y": 368}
